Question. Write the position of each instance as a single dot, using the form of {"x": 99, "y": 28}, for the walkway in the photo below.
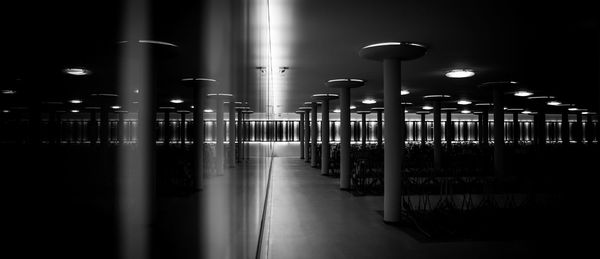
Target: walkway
{"x": 311, "y": 218}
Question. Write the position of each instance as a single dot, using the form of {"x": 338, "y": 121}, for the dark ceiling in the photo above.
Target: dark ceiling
{"x": 551, "y": 48}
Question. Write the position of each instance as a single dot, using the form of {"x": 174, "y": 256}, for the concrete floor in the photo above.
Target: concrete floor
{"x": 311, "y": 218}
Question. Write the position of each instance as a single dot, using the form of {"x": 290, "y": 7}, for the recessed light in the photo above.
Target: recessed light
{"x": 115, "y": 107}
{"x": 588, "y": 113}
{"x": 176, "y": 101}
{"x": 192, "y": 106}
{"x": 77, "y": 71}
{"x": 337, "y": 110}
{"x": 74, "y": 111}
{"x": 554, "y": 103}
{"x": 137, "y": 91}
{"x": 352, "y": 107}
{"x": 208, "y": 110}
{"x": 5, "y": 111}
{"x": 9, "y": 91}
{"x": 526, "y": 112}
{"x": 75, "y": 101}
{"x": 460, "y": 73}
{"x": 404, "y": 92}
{"x": 464, "y": 102}
{"x": 523, "y": 93}
{"x": 465, "y": 111}
{"x": 427, "y": 107}
{"x": 369, "y": 101}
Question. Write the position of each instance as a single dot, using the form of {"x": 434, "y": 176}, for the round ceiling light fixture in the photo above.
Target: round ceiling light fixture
{"x": 460, "y": 73}
{"x": 369, "y": 101}
{"x": 77, "y": 71}
{"x": 115, "y": 107}
{"x": 465, "y": 111}
{"x": 176, "y": 101}
{"x": 427, "y": 107}
{"x": 464, "y": 102}
{"x": 523, "y": 93}
{"x": 75, "y": 101}
{"x": 554, "y": 103}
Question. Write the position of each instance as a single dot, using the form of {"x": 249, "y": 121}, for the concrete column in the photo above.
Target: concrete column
{"x": 345, "y": 164}
{"x": 541, "y": 128}
{"x": 516, "y": 128}
{"x": 437, "y": 136}
{"x": 306, "y": 134}
{"x": 231, "y": 130}
{"x": 247, "y": 113}
{"x": 363, "y": 132}
{"x": 423, "y": 127}
{"x": 449, "y": 130}
{"x": 220, "y": 131}
{"x": 589, "y": 129}
{"x": 301, "y": 132}
{"x": 392, "y": 54}
{"x": 313, "y": 135}
{"x": 240, "y": 133}
{"x": 198, "y": 86}
{"x": 167, "y": 127}
{"x": 437, "y": 127}
{"x": 121, "y": 127}
{"x": 484, "y": 128}
{"x": 498, "y": 132}
{"x": 182, "y": 137}
{"x": 564, "y": 128}
{"x": 579, "y": 128}
{"x": 104, "y": 125}
{"x": 93, "y": 127}
{"x": 379, "y": 132}
{"x": 325, "y": 130}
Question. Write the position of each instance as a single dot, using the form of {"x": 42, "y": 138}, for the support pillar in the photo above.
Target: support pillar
{"x": 220, "y": 131}
{"x": 313, "y": 135}
{"x": 345, "y": 95}
{"x": 325, "y": 130}
{"x": 167, "y": 127}
{"x": 363, "y": 132}
{"x": 423, "y": 127}
{"x": 307, "y": 133}
{"x": 579, "y": 128}
{"x": 437, "y": 128}
{"x": 564, "y": 128}
{"x": 379, "y": 132}
{"x": 231, "y": 134}
{"x": 516, "y": 128}
{"x": 392, "y": 54}
{"x": 301, "y": 132}
{"x": 182, "y": 136}
{"x": 197, "y": 131}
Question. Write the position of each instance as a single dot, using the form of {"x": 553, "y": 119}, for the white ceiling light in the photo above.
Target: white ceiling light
{"x": 460, "y": 73}
{"x": 337, "y": 110}
{"x": 526, "y": 112}
{"x": 77, "y": 71}
{"x": 404, "y": 92}
{"x": 352, "y": 107}
{"x": 523, "y": 93}
{"x": 5, "y": 111}
{"x": 427, "y": 107}
{"x": 176, "y": 101}
{"x": 9, "y": 91}
{"x": 554, "y": 103}
{"x": 74, "y": 111}
{"x": 115, "y": 107}
{"x": 208, "y": 110}
{"x": 465, "y": 111}
{"x": 464, "y": 102}
{"x": 369, "y": 101}
{"x": 75, "y": 101}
